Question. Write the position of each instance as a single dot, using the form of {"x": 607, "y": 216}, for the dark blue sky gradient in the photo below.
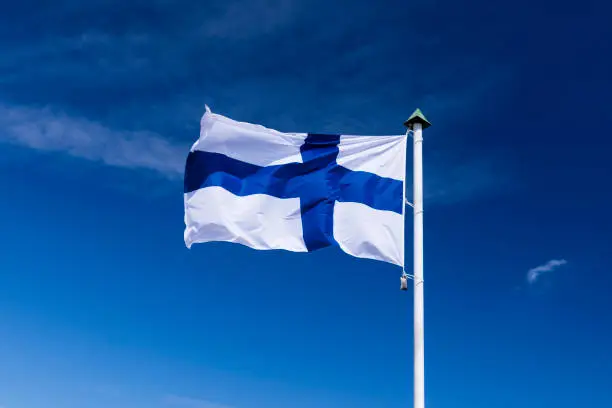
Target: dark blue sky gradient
{"x": 101, "y": 305}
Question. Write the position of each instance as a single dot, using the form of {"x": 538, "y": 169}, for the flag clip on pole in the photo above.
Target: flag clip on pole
{"x": 417, "y": 122}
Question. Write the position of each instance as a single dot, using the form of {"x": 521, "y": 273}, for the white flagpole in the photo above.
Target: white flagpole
{"x": 417, "y": 122}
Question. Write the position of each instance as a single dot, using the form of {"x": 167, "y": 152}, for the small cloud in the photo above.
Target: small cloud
{"x": 534, "y": 273}
{"x": 46, "y": 130}
{"x": 187, "y": 402}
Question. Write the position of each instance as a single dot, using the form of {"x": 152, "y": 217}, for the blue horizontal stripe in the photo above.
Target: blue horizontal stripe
{"x": 205, "y": 169}
{"x": 378, "y": 192}
{"x": 333, "y": 182}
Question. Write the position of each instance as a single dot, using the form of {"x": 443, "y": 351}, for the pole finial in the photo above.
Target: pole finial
{"x": 417, "y": 117}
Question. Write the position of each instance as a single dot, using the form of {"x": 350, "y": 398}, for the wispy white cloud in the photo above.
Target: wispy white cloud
{"x": 187, "y": 402}
{"x": 534, "y": 273}
{"x": 46, "y": 130}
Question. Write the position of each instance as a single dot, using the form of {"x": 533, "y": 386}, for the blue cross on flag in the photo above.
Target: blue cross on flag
{"x": 300, "y": 192}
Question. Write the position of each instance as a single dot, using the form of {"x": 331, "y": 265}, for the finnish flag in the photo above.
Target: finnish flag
{"x": 265, "y": 189}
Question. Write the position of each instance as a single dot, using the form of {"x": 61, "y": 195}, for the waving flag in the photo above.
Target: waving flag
{"x": 300, "y": 192}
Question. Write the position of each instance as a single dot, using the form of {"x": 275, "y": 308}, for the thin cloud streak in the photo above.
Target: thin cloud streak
{"x": 534, "y": 273}
{"x": 46, "y": 130}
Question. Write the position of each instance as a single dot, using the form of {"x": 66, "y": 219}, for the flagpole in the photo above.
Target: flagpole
{"x": 417, "y": 122}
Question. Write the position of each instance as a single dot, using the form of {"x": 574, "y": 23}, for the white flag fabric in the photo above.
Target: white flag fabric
{"x": 266, "y": 189}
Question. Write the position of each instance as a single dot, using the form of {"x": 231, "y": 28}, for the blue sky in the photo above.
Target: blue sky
{"x": 101, "y": 304}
